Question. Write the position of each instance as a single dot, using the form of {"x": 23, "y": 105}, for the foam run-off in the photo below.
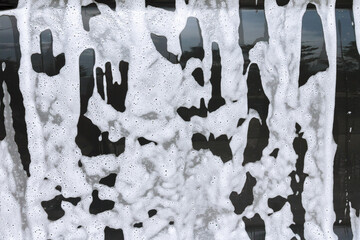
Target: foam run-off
{"x": 147, "y": 122}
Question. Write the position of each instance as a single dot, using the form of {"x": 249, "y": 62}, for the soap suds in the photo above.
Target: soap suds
{"x": 151, "y": 95}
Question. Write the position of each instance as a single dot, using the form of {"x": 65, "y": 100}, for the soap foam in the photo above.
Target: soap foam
{"x": 190, "y": 187}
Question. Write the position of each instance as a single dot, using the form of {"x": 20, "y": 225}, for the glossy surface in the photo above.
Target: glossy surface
{"x": 186, "y": 120}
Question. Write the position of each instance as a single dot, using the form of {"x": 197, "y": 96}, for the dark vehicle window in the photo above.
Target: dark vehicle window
{"x": 179, "y": 120}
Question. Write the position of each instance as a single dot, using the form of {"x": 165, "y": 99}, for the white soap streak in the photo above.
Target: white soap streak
{"x": 356, "y": 12}
{"x": 318, "y": 188}
{"x": 35, "y": 213}
{"x": 355, "y": 224}
{"x": 312, "y": 107}
{"x": 278, "y": 62}
{"x": 10, "y": 211}
{"x": 55, "y": 98}
{"x": 12, "y": 228}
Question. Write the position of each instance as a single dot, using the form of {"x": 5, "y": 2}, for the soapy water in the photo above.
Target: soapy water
{"x": 187, "y": 120}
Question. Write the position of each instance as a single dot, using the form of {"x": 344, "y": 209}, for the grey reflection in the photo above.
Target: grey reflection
{"x": 9, "y": 47}
{"x": 253, "y": 27}
{"x": 191, "y": 42}
{"x": 313, "y": 51}
{"x": 88, "y": 12}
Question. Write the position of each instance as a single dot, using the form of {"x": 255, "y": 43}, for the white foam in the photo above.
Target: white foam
{"x": 191, "y": 187}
